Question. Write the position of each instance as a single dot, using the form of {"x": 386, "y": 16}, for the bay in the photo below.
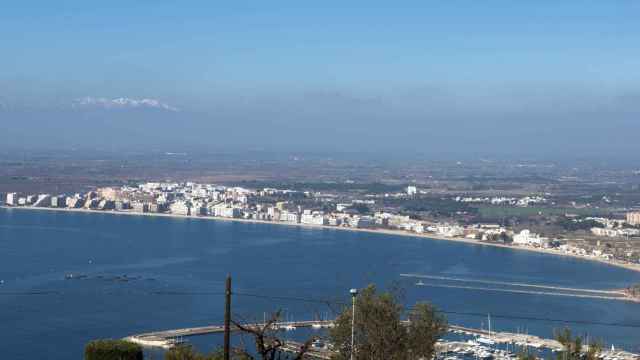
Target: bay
{"x": 137, "y": 274}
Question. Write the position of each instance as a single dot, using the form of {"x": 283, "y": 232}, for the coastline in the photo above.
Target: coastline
{"x": 632, "y": 267}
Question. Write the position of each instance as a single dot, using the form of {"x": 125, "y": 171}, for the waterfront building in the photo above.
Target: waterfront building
{"x": 225, "y": 210}
{"x": 273, "y": 213}
{"x": 105, "y": 204}
{"x": 526, "y": 237}
{"x": 230, "y": 212}
{"x": 12, "y": 199}
{"x": 43, "y": 200}
{"x": 411, "y": 190}
{"x": 180, "y": 208}
{"x": 157, "y": 207}
{"x": 313, "y": 218}
{"x": 91, "y": 203}
{"x": 74, "y": 202}
{"x": 140, "y": 207}
{"x": 261, "y": 216}
{"x": 109, "y": 193}
{"x": 202, "y": 210}
{"x": 393, "y": 220}
{"x": 449, "y": 230}
{"x": 92, "y": 195}
{"x": 58, "y": 201}
{"x": 289, "y": 216}
{"x": 122, "y": 205}
{"x": 362, "y": 222}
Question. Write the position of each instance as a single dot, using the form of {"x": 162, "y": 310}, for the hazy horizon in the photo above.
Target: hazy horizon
{"x": 544, "y": 80}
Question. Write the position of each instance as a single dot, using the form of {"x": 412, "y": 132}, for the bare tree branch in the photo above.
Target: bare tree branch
{"x": 268, "y": 345}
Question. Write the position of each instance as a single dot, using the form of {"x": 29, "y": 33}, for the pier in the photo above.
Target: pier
{"x": 167, "y": 339}
{"x": 170, "y": 338}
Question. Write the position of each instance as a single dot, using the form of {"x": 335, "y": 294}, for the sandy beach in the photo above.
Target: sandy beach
{"x": 628, "y": 266}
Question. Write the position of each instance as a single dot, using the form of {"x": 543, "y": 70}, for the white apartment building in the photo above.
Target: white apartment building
{"x": 180, "y": 208}
{"x": 227, "y": 211}
{"x": 526, "y": 237}
{"x": 289, "y": 216}
{"x": 450, "y": 230}
{"x": 12, "y": 199}
{"x": 362, "y": 222}
{"x": 313, "y": 218}
{"x": 44, "y": 200}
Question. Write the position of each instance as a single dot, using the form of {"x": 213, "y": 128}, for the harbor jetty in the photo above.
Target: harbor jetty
{"x": 483, "y": 339}
{"x": 169, "y": 338}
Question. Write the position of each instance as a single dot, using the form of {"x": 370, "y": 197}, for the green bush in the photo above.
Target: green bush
{"x": 112, "y": 350}
{"x": 187, "y": 352}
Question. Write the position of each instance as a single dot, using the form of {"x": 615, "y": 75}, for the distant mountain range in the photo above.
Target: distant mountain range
{"x": 120, "y": 103}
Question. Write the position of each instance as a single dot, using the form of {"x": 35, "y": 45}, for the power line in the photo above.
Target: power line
{"x": 33, "y": 292}
{"x": 475, "y": 314}
{"x": 329, "y": 302}
{"x": 310, "y": 300}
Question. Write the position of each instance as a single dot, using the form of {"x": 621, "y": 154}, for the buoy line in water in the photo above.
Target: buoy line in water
{"x": 531, "y": 292}
{"x": 515, "y": 284}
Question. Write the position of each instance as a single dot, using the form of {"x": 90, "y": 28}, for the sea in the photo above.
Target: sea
{"x": 67, "y": 278}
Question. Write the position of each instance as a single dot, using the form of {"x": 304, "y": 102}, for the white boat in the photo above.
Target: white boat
{"x": 486, "y": 341}
{"x": 318, "y": 344}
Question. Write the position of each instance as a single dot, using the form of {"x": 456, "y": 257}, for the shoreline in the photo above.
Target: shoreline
{"x": 632, "y": 267}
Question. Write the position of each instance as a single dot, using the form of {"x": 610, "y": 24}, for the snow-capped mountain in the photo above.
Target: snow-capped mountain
{"x": 121, "y": 103}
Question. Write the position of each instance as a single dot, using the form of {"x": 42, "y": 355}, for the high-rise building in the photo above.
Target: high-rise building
{"x": 12, "y": 199}
{"x": 43, "y": 200}
{"x": 58, "y": 201}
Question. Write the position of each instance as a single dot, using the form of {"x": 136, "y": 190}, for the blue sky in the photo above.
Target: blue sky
{"x": 418, "y": 64}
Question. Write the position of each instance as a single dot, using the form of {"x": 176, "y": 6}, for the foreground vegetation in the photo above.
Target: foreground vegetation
{"x": 379, "y": 332}
{"x": 112, "y": 350}
{"x": 383, "y": 330}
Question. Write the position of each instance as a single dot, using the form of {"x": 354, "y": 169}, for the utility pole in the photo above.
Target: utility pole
{"x": 354, "y": 293}
{"x": 227, "y": 317}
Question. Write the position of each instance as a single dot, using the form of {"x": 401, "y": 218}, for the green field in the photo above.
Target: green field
{"x": 494, "y": 212}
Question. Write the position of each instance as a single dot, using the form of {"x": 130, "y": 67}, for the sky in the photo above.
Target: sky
{"x": 533, "y": 78}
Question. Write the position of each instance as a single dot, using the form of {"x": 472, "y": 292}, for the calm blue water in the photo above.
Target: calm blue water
{"x": 191, "y": 257}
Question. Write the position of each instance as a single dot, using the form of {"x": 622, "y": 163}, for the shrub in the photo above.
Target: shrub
{"x": 112, "y": 350}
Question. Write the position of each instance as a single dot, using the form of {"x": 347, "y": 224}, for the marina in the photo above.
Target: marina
{"x": 480, "y": 344}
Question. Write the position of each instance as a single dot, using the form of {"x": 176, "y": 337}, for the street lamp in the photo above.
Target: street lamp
{"x": 354, "y": 294}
